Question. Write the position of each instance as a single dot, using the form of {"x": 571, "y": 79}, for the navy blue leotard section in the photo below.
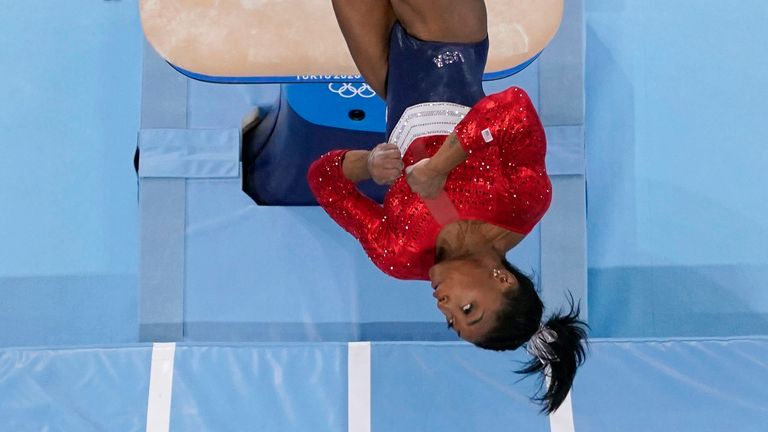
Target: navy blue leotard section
{"x": 423, "y": 71}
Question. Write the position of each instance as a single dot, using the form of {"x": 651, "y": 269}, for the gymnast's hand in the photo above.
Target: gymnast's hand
{"x": 385, "y": 164}
{"x": 424, "y": 180}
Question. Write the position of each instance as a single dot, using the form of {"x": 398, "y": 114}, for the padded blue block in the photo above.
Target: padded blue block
{"x": 213, "y": 106}
{"x": 564, "y": 242}
{"x": 189, "y": 153}
{"x": 652, "y": 301}
{"x": 162, "y": 211}
{"x": 162, "y": 206}
{"x": 561, "y": 70}
{"x": 278, "y": 152}
{"x": 565, "y": 150}
{"x": 86, "y": 389}
{"x": 164, "y": 93}
{"x": 262, "y": 388}
{"x": 673, "y": 385}
{"x": 68, "y": 310}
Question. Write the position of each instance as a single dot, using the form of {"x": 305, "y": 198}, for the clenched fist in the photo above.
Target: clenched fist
{"x": 424, "y": 180}
{"x": 385, "y": 164}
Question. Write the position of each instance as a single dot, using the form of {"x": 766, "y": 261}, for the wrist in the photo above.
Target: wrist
{"x": 434, "y": 166}
{"x": 355, "y": 165}
{"x": 369, "y": 163}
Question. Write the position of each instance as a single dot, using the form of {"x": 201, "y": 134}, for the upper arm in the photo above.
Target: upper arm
{"x": 507, "y": 118}
{"x": 478, "y": 128}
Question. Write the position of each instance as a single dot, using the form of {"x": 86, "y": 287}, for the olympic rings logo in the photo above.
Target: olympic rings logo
{"x": 350, "y": 90}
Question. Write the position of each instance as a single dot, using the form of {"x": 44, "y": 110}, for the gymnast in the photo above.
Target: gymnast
{"x": 475, "y": 181}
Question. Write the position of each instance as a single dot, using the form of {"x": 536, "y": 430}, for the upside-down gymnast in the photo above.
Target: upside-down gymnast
{"x": 475, "y": 181}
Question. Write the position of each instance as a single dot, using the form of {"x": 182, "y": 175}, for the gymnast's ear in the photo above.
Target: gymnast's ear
{"x": 507, "y": 279}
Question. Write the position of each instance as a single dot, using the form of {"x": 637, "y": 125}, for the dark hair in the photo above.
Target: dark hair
{"x": 520, "y": 318}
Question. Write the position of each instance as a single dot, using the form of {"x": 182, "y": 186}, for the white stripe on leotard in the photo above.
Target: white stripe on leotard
{"x": 431, "y": 118}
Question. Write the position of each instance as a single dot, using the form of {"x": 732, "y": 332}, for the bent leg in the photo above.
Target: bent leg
{"x": 443, "y": 20}
{"x": 366, "y": 25}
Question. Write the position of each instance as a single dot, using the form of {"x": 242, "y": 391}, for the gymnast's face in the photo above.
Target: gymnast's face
{"x": 469, "y": 295}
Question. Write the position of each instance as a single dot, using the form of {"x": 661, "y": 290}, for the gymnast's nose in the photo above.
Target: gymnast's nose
{"x": 441, "y": 298}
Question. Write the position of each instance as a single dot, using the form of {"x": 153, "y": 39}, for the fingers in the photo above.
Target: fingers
{"x": 391, "y": 154}
{"x": 423, "y": 183}
{"x": 396, "y": 165}
{"x": 388, "y": 150}
{"x": 389, "y": 163}
{"x": 391, "y": 174}
{"x": 387, "y": 177}
{"x": 387, "y": 156}
{"x": 388, "y": 146}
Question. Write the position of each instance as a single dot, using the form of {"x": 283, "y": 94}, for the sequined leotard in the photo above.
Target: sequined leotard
{"x": 503, "y": 181}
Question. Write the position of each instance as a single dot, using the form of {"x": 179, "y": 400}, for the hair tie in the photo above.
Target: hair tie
{"x": 538, "y": 346}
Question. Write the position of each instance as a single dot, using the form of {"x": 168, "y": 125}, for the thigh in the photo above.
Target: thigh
{"x": 366, "y": 25}
{"x": 443, "y": 20}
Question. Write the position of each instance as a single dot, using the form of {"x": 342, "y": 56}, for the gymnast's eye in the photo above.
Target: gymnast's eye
{"x": 467, "y": 308}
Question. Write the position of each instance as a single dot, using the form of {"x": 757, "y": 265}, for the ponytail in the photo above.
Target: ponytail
{"x": 558, "y": 346}
{"x": 562, "y": 341}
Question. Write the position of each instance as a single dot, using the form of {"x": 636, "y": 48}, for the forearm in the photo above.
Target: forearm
{"x": 448, "y": 157}
{"x": 355, "y": 166}
{"x": 339, "y": 197}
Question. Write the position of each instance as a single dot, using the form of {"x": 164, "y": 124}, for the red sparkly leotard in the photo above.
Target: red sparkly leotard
{"x": 503, "y": 182}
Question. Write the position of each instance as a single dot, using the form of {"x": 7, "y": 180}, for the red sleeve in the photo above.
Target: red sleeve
{"x": 356, "y": 213}
{"x": 476, "y": 132}
{"x": 497, "y": 119}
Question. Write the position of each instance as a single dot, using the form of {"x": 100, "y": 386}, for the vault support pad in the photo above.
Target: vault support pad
{"x": 168, "y": 158}
{"x": 162, "y": 210}
{"x": 189, "y": 153}
{"x": 564, "y": 241}
{"x": 563, "y": 229}
{"x": 561, "y": 71}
